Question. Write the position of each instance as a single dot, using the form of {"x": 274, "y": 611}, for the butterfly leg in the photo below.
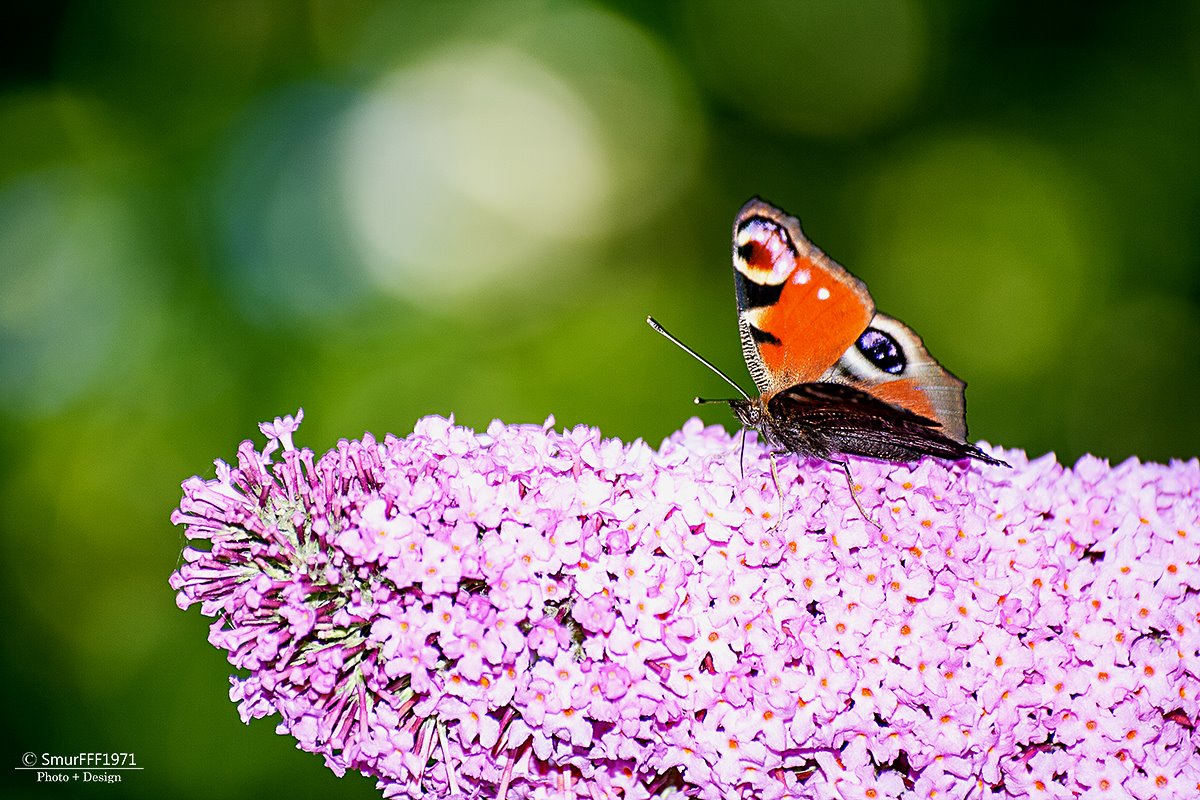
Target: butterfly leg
{"x": 742, "y": 458}
{"x": 778, "y": 490}
{"x": 850, "y": 485}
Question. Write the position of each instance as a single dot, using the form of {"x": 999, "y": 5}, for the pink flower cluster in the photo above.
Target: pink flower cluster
{"x": 525, "y": 613}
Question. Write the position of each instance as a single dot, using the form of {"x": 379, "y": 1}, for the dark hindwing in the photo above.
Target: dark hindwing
{"x": 830, "y": 419}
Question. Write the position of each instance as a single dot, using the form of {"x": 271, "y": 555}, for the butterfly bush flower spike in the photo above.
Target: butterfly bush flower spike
{"x": 529, "y": 613}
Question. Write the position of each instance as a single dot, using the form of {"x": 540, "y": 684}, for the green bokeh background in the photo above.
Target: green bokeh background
{"x": 213, "y": 213}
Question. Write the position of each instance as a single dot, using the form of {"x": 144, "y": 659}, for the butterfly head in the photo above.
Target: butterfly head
{"x": 750, "y": 413}
{"x": 753, "y": 413}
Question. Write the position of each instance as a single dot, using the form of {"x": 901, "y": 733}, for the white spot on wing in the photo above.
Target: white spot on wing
{"x": 822, "y": 293}
{"x": 801, "y": 276}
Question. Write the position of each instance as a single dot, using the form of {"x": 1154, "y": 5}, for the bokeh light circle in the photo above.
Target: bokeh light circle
{"x": 462, "y": 167}
{"x": 499, "y": 156}
{"x": 67, "y": 289}
{"x": 285, "y": 252}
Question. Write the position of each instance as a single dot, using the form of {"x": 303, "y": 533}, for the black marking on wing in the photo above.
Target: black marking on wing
{"x": 830, "y": 419}
{"x": 755, "y": 295}
{"x": 762, "y": 337}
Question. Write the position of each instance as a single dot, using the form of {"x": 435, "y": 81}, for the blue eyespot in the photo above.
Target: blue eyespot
{"x": 882, "y": 350}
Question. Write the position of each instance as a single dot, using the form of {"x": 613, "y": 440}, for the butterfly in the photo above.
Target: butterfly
{"x": 835, "y": 377}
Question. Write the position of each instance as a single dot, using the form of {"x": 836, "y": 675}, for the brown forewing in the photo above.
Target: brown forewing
{"x": 828, "y": 419}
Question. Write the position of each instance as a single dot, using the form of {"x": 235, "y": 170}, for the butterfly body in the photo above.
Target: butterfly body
{"x": 835, "y": 377}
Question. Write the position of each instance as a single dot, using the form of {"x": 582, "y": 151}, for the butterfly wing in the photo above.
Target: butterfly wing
{"x": 889, "y": 361}
{"x": 804, "y": 318}
{"x": 831, "y": 419}
{"x": 798, "y": 310}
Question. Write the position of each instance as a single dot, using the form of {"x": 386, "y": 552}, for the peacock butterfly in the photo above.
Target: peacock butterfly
{"x": 835, "y": 377}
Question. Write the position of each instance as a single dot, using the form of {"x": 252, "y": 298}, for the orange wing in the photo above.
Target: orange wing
{"x": 798, "y": 309}
{"x": 803, "y": 319}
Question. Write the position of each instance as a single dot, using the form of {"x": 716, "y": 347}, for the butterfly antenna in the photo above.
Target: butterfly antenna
{"x": 654, "y": 324}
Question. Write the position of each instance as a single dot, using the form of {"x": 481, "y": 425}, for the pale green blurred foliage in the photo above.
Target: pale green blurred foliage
{"x": 212, "y": 214}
